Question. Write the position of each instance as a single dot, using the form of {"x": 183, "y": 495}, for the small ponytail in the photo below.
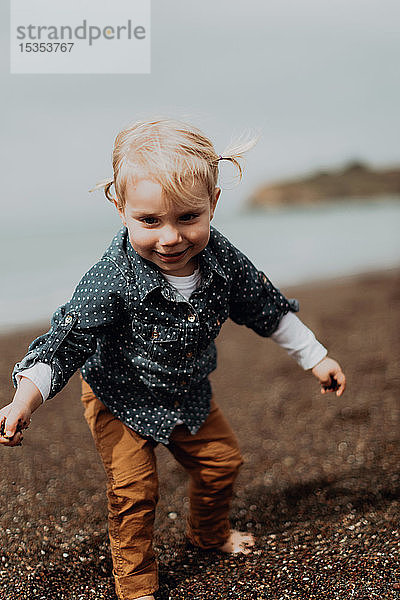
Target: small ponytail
{"x": 234, "y": 153}
{"x": 106, "y": 185}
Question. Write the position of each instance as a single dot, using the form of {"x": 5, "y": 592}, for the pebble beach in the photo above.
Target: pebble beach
{"x": 320, "y": 487}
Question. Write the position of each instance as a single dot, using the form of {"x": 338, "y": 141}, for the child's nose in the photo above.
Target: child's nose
{"x": 170, "y": 236}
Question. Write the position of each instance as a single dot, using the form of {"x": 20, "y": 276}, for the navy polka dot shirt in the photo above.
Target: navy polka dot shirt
{"x": 144, "y": 349}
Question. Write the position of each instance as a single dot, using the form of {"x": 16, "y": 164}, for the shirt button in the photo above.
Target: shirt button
{"x": 176, "y": 403}
{"x": 183, "y": 382}
{"x": 189, "y": 354}
{"x": 155, "y": 334}
{"x": 218, "y": 322}
{"x": 68, "y": 319}
{"x": 192, "y": 318}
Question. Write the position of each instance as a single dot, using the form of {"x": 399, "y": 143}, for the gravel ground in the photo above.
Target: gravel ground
{"x": 319, "y": 489}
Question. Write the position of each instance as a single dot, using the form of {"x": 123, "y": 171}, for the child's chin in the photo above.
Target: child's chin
{"x": 181, "y": 269}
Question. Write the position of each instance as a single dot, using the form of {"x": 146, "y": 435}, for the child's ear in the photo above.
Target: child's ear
{"x": 214, "y": 201}
{"x": 121, "y": 212}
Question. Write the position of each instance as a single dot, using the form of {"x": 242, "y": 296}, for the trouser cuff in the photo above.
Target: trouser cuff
{"x": 209, "y": 540}
{"x": 144, "y": 583}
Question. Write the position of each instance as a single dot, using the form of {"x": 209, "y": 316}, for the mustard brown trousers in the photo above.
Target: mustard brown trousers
{"x": 212, "y": 459}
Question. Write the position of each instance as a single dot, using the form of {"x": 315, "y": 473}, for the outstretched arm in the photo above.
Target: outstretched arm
{"x": 75, "y": 328}
{"x": 300, "y": 342}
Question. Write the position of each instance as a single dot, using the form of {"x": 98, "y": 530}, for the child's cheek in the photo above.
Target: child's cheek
{"x": 202, "y": 234}
{"x": 200, "y": 231}
{"x": 143, "y": 238}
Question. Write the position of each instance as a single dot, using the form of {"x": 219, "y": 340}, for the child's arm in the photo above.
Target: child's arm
{"x": 300, "y": 342}
{"x": 16, "y": 416}
{"x": 258, "y": 304}
{"x": 75, "y": 327}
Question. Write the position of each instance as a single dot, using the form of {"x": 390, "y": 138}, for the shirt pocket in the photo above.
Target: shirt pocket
{"x": 161, "y": 346}
{"x": 156, "y": 334}
{"x": 211, "y": 329}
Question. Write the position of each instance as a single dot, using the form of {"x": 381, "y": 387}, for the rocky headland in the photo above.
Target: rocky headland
{"x": 356, "y": 180}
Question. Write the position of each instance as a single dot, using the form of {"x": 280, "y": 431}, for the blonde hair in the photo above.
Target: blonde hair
{"x": 172, "y": 153}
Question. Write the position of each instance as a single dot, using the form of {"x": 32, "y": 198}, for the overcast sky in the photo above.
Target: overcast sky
{"x": 318, "y": 79}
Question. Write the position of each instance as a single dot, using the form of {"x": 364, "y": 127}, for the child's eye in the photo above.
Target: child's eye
{"x": 149, "y": 220}
{"x": 188, "y": 217}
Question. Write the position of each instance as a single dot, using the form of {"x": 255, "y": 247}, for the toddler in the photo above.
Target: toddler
{"x": 141, "y": 326}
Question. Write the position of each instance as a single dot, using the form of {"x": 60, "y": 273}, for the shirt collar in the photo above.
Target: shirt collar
{"x": 148, "y": 276}
{"x": 209, "y": 263}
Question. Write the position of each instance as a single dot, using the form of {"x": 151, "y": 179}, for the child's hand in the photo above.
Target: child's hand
{"x": 13, "y": 419}
{"x": 330, "y": 375}
{"x": 16, "y": 417}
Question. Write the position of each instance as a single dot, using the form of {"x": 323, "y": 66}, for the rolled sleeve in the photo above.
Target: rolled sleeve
{"x": 64, "y": 348}
{"x": 40, "y": 375}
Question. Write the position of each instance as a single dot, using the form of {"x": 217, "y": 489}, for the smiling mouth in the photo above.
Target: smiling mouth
{"x": 172, "y": 256}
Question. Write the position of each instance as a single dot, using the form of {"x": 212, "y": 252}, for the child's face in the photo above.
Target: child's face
{"x": 168, "y": 235}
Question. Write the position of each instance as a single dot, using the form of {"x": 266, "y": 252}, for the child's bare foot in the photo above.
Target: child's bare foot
{"x": 239, "y": 542}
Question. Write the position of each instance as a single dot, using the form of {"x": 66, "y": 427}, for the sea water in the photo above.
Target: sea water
{"x": 40, "y": 265}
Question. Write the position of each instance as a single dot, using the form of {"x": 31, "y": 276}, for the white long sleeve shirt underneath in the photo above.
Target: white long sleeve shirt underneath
{"x": 292, "y": 335}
